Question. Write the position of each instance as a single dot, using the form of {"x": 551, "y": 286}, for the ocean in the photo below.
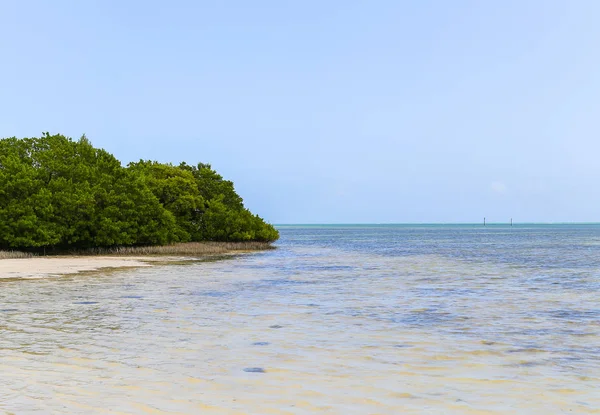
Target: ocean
{"x": 340, "y": 319}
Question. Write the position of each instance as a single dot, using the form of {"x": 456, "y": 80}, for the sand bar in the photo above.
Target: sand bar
{"x": 39, "y": 267}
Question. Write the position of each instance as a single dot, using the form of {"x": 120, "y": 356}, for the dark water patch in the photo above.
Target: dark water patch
{"x": 440, "y": 291}
{"x": 211, "y": 293}
{"x": 285, "y": 282}
{"x": 428, "y": 292}
{"x": 583, "y": 333}
{"x": 528, "y": 364}
{"x": 86, "y": 302}
{"x": 535, "y": 332}
{"x": 135, "y": 297}
{"x": 572, "y": 359}
{"x": 467, "y": 291}
{"x": 8, "y": 310}
{"x": 330, "y": 268}
{"x": 426, "y": 317}
{"x": 429, "y": 279}
{"x": 574, "y": 331}
{"x": 591, "y": 351}
{"x": 255, "y": 370}
{"x": 300, "y": 268}
{"x": 261, "y": 344}
{"x": 527, "y": 350}
{"x": 573, "y": 314}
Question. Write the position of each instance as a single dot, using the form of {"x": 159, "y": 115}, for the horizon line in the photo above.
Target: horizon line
{"x": 434, "y": 223}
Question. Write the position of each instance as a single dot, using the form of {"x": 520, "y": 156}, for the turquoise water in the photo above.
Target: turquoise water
{"x": 550, "y": 273}
{"x": 377, "y": 319}
{"x": 529, "y": 244}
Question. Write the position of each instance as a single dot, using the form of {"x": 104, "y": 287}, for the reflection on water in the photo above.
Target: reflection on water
{"x": 382, "y": 320}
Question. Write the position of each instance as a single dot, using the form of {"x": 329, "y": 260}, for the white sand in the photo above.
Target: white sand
{"x": 38, "y": 267}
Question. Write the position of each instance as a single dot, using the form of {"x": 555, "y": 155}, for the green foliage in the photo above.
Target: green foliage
{"x": 211, "y": 185}
{"x": 56, "y": 192}
{"x": 225, "y": 218}
{"x": 176, "y": 190}
{"x": 64, "y": 193}
{"x": 205, "y": 206}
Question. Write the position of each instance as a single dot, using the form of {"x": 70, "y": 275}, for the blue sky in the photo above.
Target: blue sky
{"x": 328, "y": 111}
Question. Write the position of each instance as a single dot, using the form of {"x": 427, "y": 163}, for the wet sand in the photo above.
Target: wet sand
{"x": 39, "y": 267}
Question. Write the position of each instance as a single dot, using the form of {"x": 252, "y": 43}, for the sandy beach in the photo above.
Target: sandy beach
{"x": 39, "y": 267}
{"x": 18, "y": 265}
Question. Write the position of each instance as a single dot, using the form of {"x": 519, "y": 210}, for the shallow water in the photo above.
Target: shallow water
{"x": 341, "y": 320}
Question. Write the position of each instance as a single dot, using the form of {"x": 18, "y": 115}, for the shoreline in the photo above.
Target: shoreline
{"x": 31, "y": 267}
{"x": 42, "y": 267}
{"x": 57, "y": 266}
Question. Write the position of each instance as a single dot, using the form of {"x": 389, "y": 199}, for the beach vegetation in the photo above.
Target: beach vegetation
{"x": 56, "y": 192}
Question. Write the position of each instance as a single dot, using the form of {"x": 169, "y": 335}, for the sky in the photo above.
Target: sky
{"x": 338, "y": 111}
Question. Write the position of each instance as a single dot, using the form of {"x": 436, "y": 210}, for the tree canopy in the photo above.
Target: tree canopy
{"x": 58, "y": 192}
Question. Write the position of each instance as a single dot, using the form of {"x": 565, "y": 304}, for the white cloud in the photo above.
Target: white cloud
{"x": 498, "y": 187}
